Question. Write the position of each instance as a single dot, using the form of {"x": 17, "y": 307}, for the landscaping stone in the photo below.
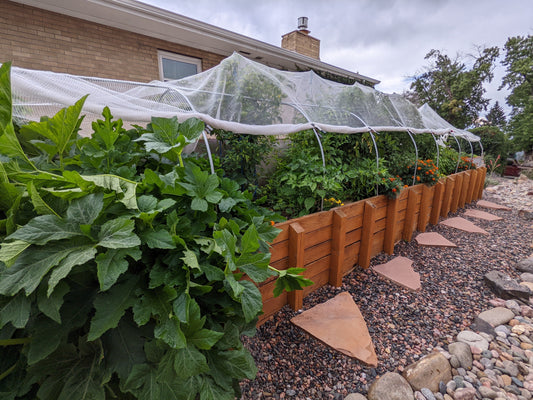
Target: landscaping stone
{"x": 463, "y": 225}
{"x": 525, "y": 265}
{"x": 492, "y": 205}
{"x": 482, "y": 215}
{"x": 506, "y": 287}
{"x": 355, "y": 396}
{"x": 473, "y": 340}
{"x": 462, "y": 352}
{"x": 526, "y": 277}
{"x": 464, "y": 394}
{"x": 428, "y": 372}
{"x": 391, "y": 386}
{"x": 497, "y": 316}
{"x": 433, "y": 239}
{"x": 339, "y": 324}
{"x": 400, "y": 271}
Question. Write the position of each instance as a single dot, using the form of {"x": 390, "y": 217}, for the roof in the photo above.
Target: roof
{"x": 137, "y": 17}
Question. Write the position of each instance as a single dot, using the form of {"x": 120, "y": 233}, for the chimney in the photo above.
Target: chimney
{"x": 301, "y": 42}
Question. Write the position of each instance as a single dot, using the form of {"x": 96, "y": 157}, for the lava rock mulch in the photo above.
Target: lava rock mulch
{"x": 404, "y": 325}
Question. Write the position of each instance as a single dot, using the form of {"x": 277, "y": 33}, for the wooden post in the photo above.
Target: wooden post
{"x": 390, "y": 228}
{"x": 456, "y": 192}
{"x": 467, "y": 176}
{"x": 473, "y": 184}
{"x": 369, "y": 223}
{"x": 423, "y": 216}
{"x": 448, "y": 193}
{"x": 338, "y": 236}
{"x": 296, "y": 260}
{"x": 481, "y": 183}
{"x": 409, "y": 224}
{"x": 437, "y": 203}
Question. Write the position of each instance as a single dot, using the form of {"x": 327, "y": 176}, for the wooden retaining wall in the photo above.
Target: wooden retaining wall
{"x": 329, "y": 244}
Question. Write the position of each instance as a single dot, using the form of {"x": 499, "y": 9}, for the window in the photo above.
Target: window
{"x": 175, "y": 66}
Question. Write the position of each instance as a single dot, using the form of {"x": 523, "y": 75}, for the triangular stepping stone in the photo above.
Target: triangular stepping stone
{"x": 464, "y": 225}
{"x": 400, "y": 271}
{"x": 482, "y": 215}
{"x": 490, "y": 204}
{"x": 433, "y": 239}
{"x": 339, "y": 324}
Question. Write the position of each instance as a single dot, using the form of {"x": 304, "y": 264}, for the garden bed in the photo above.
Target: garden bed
{"x": 330, "y": 243}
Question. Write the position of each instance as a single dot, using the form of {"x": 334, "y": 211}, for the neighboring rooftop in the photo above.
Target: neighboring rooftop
{"x": 134, "y": 16}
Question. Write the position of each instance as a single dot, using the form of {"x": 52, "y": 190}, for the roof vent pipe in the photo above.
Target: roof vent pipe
{"x": 302, "y": 25}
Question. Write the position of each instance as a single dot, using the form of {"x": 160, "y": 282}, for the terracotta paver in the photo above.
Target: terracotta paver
{"x": 482, "y": 215}
{"x": 464, "y": 225}
{"x": 400, "y": 271}
{"x": 339, "y": 324}
{"x": 433, "y": 239}
{"x": 490, "y": 204}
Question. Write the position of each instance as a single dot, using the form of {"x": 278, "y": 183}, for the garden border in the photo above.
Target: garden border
{"x": 329, "y": 244}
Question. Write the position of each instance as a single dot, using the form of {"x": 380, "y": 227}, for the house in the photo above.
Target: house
{"x": 130, "y": 40}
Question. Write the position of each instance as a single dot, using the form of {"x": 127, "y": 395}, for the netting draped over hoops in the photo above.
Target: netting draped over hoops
{"x": 238, "y": 95}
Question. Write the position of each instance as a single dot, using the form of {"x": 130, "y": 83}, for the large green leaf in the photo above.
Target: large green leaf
{"x": 40, "y": 206}
{"x": 46, "y": 338}
{"x": 255, "y": 266}
{"x": 61, "y": 129}
{"x": 86, "y": 209}
{"x": 45, "y": 228}
{"x": 11, "y": 250}
{"x": 110, "y": 306}
{"x": 5, "y": 95}
{"x": 250, "y": 240}
{"x": 251, "y": 300}
{"x": 112, "y": 264}
{"x": 124, "y": 346}
{"x": 159, "y": 239}
{"x": 205, "y": 338}
{"x": 156, "y": 302}
{"x": 80, "y": 256}
{"x": 143, "y": 383}
{"x": 168, "y": 330}
{"x": 211, "y": 391}
{"x": 31, "y": 266}
{"x": 15, "y": 310}
{"x": 188, "y": 362}
{"x": 50, "y": 305}
{"x": 237, "y": 363}
{"x": 118, "y": 234}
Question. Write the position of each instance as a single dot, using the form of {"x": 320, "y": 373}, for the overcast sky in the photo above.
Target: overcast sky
{"x": 383, "y": 39}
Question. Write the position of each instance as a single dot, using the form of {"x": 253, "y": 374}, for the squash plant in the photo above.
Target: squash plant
{"x": 124, "y": 275}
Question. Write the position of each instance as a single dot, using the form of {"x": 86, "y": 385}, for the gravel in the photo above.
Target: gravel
{"x": 403, "y": 325}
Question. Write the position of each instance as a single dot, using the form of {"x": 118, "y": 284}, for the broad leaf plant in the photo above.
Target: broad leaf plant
{"x": 126, "y": 271}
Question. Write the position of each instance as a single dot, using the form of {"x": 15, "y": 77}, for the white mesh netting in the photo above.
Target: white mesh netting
{"x": 238, "y": 95}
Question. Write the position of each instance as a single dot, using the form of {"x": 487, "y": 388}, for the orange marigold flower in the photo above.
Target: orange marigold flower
{"x": 394, "y": 189}
{"x": 405, "y": 186}
{"x": 433, "y": 178}
{"x": 419, "y": 168}
{"x": 391, "y": 179}
{"x": 417, "y": 178}
{"x": 272, "y": 223}
{"x": 427, "y": 172}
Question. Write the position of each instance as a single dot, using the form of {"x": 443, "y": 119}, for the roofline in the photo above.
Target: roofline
{"x": 145, "y": 19}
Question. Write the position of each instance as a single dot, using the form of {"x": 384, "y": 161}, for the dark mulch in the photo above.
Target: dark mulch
{"x": 403, "y": 325}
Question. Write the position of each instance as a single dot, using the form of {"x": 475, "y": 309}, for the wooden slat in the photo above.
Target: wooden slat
{"x": 338, "y": 233}
{"x": 456, "y": 192}
{"x": 448, "y": 194}
{"x": 437, "y": 203}
{"x": 481, "y": 183}
{"x": 316, "y": 252}
{"x": 368, "y": 232}
{"x": 279, "y": 250}
{"x": 390, "y": 229}
{"x": 296, "y": 260}
{"x": 473, "y": 184}
{"x": 423, "y": 216}
{"x": 409, "y": 224}
{"x": 464, "y": 191}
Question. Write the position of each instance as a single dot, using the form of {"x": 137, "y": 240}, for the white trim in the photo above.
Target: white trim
{"x": 176, "y": 57}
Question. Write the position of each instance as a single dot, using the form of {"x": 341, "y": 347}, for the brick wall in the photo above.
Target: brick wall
{"x": 38, "y": 39}
{"x": 302, "y": 43}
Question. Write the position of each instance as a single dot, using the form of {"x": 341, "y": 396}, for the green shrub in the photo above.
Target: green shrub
{"x": 121, "y": 274}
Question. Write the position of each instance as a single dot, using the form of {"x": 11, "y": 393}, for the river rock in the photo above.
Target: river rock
{"x": 428, "y": 372}
{"x": 473, "y": 340}
{"x": 526, "y": 277}
{"x": 355, "y": 396}
{"x": 465, "y": 394}
{"x": 497, "y": 316}
{"x": 506, "y": 287}
{"x": 391, "y": 386}
{"x": 462, "y": 351}
{"x": 525, "y": 265}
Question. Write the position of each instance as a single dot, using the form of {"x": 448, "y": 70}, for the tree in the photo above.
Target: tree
{"x": 496, "y": 116}
{"x": 453, "y": 90}
{"x": 519, "y": 78}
